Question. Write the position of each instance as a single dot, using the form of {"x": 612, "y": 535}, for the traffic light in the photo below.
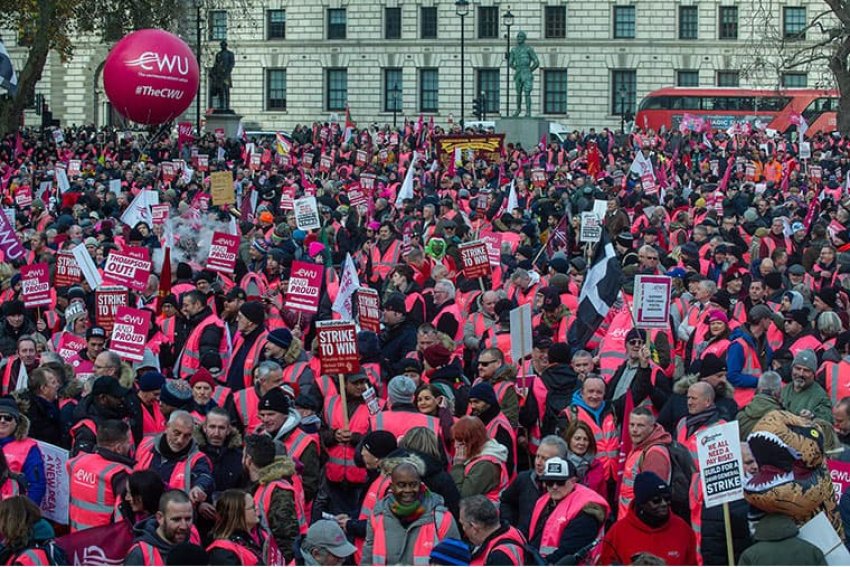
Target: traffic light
{"x": 478, "y": 107}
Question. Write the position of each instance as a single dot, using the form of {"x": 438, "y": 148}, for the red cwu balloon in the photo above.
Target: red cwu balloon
{"x": 151, "y": 76}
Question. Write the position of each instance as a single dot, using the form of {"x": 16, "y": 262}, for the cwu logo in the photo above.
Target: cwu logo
{"x": 152, "y": 61}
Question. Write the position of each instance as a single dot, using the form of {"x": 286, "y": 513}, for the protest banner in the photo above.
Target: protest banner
{"x": 307, "y": 160}
{"x": 360, "y": 158}
{"x": 67, "y": 271}
{"x": 521, "y": 341}
{"x": 369, "y": 309}
{"x": 358, "y": 197}
{"x": 74, "y": 167}
{"x": 647, "y": 181}
{"x": 485, "y": 146}
{"x": 107, "y": 300}
{"x": 87, "y": 266}
{"x": 305, "y": 282}
{"x": 57, "y": 496}
{"x": 591, "y": 228}
{"x": 10, "y": 244}
{"x": 223, "y": 251}
{"x": 129, "y": 333}
{"x": 325, "y": 163}
{"x": 307, "y": 213}
{"x": 128, "y": 270}
{"x": 203, "y": 162}
{"x": 23, "y": 196}
{"x": 367, "y": 181}
{"x": 839, "y": 472}
{"x": 221, "y": 187}
{"x": 538, "y": 177}
{"x": 494, "y": 246}
{"x": 338, "y": 347}
{"x": 103, "y": 545}
{"x": 651, "y": 303}
{"x": 35, "y": 284}
{"x": 159, "y": 213}
{"x": 475, "y": 259}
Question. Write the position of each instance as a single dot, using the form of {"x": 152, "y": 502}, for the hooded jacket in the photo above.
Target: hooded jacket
{"x": 735, "y": 358}
{"x": 400, "y": 540}
{"x": 145, "y": 532}
{"x": 282, "y": 518}
{"x": 759, "y": 406}
{"x": 484, "y": 476}
{"x": 560, "y": 381}
{"x": 33, "y": 467}
{"x": 777, "y": 543}
{"x": 674, "y": 541}
{"x": 677, "y": 406}
{"x": 84, "y": 438}
{"x": 226, "y": 460}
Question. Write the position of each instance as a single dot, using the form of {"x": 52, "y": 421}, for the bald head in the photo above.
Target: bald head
{"x": 700, "y": 397}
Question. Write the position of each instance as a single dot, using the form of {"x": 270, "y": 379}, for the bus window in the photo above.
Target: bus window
{"x": 655, "y": 103}
{"x": 687, "y": 103}
{"x": 818, "y": 107}
{"x": 772, "y": 103}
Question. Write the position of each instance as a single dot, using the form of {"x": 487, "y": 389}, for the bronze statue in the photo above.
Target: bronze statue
{"x": 220, "y": 80}
{"x": 524, "y": 61}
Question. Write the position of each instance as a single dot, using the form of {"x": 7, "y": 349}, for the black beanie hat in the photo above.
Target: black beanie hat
{"x": 380, "y": 443}
{"x": 184, "y": 271}
{"x": 559, "y": 353}
{"x": 274, "y": 400}
{"x": 254, "y": 312}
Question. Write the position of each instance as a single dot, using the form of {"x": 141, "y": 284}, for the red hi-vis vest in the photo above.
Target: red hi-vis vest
{"x": 246, "y": 402}
{"x": 167, "y": 328}
{"x": 92, "y": 498}
{"x": 377, "y": 490}
{"x": 181, "y": 476}
{"x": 804, "y": 342}
{"x": 427, "y": 536}
{"x": 11, "y": 487}
{"x": 298, "y": 441}
{"x": 263, "y": 501}
{"x": 454, "y": 310}
{"x": 612, "y": 347}
{"x": 540, "y": 393}
{"x": 631, "y": 470}
{"x": 30, "y": 557}
{"x": 496, "y": 492}
{"x": 150, "y": 553}
{"x": 837, "y": 380}
{"x": 493, "y": 427}
{"x": 293, "y": 373}
{"x": 8, "y": 383}
{"x": 565, "y": 512}
{"x": 190, "y": 358}
{"x": 607, "y": 437}
{"x": 752, "y": 366}
{"x": 16, "y": 453}
{"x": 400, "y": 422}
{"x": 245, "y": 555}
{"x": 153, "y": 422}
{"x": 382, "y": 264}
{"x": 511, "y": 543}
{"x": 251, "y": 359}
{"x": 220, "y": 394}
{"x": 340, "y": 466}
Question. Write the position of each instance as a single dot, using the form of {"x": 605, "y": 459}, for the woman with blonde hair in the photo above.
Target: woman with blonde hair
{"x": 237, "y": 539}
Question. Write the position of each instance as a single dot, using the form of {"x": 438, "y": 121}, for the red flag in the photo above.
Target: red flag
{"x": 165, "y": 276}
{"x": 103, "y": 545}
{"x": 558, "y": 239}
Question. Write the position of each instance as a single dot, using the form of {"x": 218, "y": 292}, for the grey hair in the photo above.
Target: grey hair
{"x": 480, "y": 510}
{"x": 446, "y": 286}
{"x": 181, "y": 416}
{"x": 829, "y": 323}
{"x": 267, "y": 367}
{"x": 769, "y": 383}
{"x": 582, "y": 354}
{"x": 709, "y": 285}
{"x": 557, "y": 442}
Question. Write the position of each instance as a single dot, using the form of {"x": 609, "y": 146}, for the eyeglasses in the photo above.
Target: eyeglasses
{"x": 486, "y": 362}
{"x": 7, "y": 418}
{"x": 635, "y": 342}
{"x": 659, "y": 499}
{"x": 559, "y": 482}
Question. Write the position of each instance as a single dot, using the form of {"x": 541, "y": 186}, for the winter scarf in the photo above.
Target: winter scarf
{"x": 409, "y": 513}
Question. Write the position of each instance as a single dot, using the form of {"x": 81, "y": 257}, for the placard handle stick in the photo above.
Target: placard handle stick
{"x": 343, "y": 399}
{"x": 481, "y": 282}
{"x": 730, "y": 553}
{"x": 629, "y": 307}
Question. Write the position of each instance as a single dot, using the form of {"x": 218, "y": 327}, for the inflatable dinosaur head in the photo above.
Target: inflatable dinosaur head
{"x": 792, "y": 479}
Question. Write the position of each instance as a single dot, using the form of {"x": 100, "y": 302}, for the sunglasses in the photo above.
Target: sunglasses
{"x": 7, "y": 418}
{"x": 561, "y": 482}
{"x": 635, "y": 342}
{"x": 659, "y": 499}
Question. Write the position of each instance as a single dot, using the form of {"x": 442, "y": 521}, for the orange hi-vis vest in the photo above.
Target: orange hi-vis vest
{"x": 220, "y": 394}
{"x": 752, "y": 367}
{"x": 167, "y": 328}
{"x": 92, "y": 498}
{"x": 376, "y": 491}
{"x": 540, "y": 393}
{"x": 9, "y": 382}
{"x": 500, "y": 421}
{"x": 150, "y": 553}
{"x": 190, "y": 358}
{"x": 481, "y": 324}
{"x": 511, "y": 543}
{"x": 263, "y": 501}
{"x": 775, "y": 337}
{"x": 251, "y": 359}
{"x": 496, "y": 492}
{"x": 523, "y": 297}
{"x": 30, "y": 556}
{"x": 612, "y": 348}
{"x": 245, "y": 555}
{"x": 804, "y": 342}
{"x": 565, "y": 512}
{"x": 631, "y": 469}
{"x": 246, "y": 402}
{"x": 607, "y": 437}
{"x": 293, "y": 373}
{"x": 11, "y": 487}
{"x": 181, "y": 476}
{"x": 454, "y": 310}
{"x": 16, "y": 453}
{"x": 382, "y": 264}
{"x": 340, "y": 466}
{"x": 837, "y": 380}
{"x": 428, "y": 535}
{"x": 297, "y": 442}
{"x": 153, "y": 422}
{"x": 400, "y": 422}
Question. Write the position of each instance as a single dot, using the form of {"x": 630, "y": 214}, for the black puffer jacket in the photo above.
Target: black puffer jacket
{"x": 560, "y": 381}
{"x": 713, "y": 546}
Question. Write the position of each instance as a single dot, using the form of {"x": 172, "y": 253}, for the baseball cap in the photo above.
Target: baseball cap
{"x": 326, "y": 534}
{"x": 236, "y": 293}
{"x": 557, "y": 468}
{"x": 95, "y": 332}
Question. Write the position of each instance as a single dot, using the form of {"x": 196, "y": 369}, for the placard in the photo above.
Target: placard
{"x": 521, "y": 333}
{"x": 338, "y": 347}
{"x": 87, "y": 266}
{"x": 67, "y": 271}
{"x": 325, "y": 163}
{"x": 600, "y": 208}
{"x": 130, "y": 332}
{"x": 221, "y": 187}
{"x": 23, "y": 196}
{"x": 591, "y": 228}
{"x": 129, "y": 270}
{"x": 475, "y": 259}
{"x": 35, "y": 284}
{"x": 69, "y": 346}
{"x": 720, "y": 464}
{"x": 839, "y": 472}
{"x": 159, "y": 213}
{"x": 107, "y": 300}
{"x": 360, "y": 158}
{"x": 367, "y": 181}
{"x": 494, "y": 246}
{"x": 305, "y": 283}
{"x": 307, "y": 213}
{"x": 538, "y": 177}
{"x": 223, "y": 251}
{"x": 651, "y": 304}
{"x": 647, "y": 181}
{"x": 805, "y": 150}
{"x": 168, "y": 171}
{"x": 369, "y": 309}
{"x": 74, "y": 167}
{"x": 57, "y": 496}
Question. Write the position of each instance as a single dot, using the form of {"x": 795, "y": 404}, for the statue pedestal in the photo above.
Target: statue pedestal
{"x": 227, "y": 121}
{"x": 522, "y": 130}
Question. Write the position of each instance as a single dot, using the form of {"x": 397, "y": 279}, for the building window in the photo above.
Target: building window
{"x": 337, "y": 89}
{"x": 218, "y": 25}
{"x": 428, "y": 22}
{"x": 393, "y": 94}
{"x": 795, "y": 80}
{"x": 624, "y": 22}
{"x": 392, "y": 23}
{"x": 555, "y": 91}
{"x": 728, "y": 79}
{"x": 556, "y": 22}
{"x": 277, "y": 24}
{"x": 687, "y": 78}
{"x": 728, "y": 25}
{"x": 275, "y": 89}
{"x": 488, "y": 83}
{"x": 688, "y": 22}
{"x": 429, "y": 88}
{"x": 623, "y": 92}
{"x": 337, "y": 20}
{"x": 794, "y": 22}
{"x": 488, "y": 22}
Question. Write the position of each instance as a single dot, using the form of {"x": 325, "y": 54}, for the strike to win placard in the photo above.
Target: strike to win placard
{"x": 107, "y": 301}
{"x": 475, "y": 259}
{"x": 369, "y": 309}
{"x": 721, "y": 467}
{"x": 338, "y": 347}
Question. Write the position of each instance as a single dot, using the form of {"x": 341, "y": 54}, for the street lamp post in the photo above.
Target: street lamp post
{"x": 509, "y": 21}
{"x": 462, "y": 10}
{"x": 395, "y": 92}
{"x": 198, "y": 4}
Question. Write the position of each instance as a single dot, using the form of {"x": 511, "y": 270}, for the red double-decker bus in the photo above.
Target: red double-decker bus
{"x": 724, "y": 107}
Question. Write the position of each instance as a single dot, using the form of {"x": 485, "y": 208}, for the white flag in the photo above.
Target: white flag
{"x": 8, "y": 79}
{"x": 62, "y": 180}
{"x": 642, "y": 165}
{"x": 86, "y": 264}
{"x": 513, "y": 202}
{"x": 23, "y": 377}
{"x": 140, "y": 209}
{"x": 347, "y": 286}
{"x": 406, "y": 191}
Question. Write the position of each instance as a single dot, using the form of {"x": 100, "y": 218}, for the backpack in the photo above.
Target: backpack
{"x": 682, "y": 470}
{"x": 556, "y": 402}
